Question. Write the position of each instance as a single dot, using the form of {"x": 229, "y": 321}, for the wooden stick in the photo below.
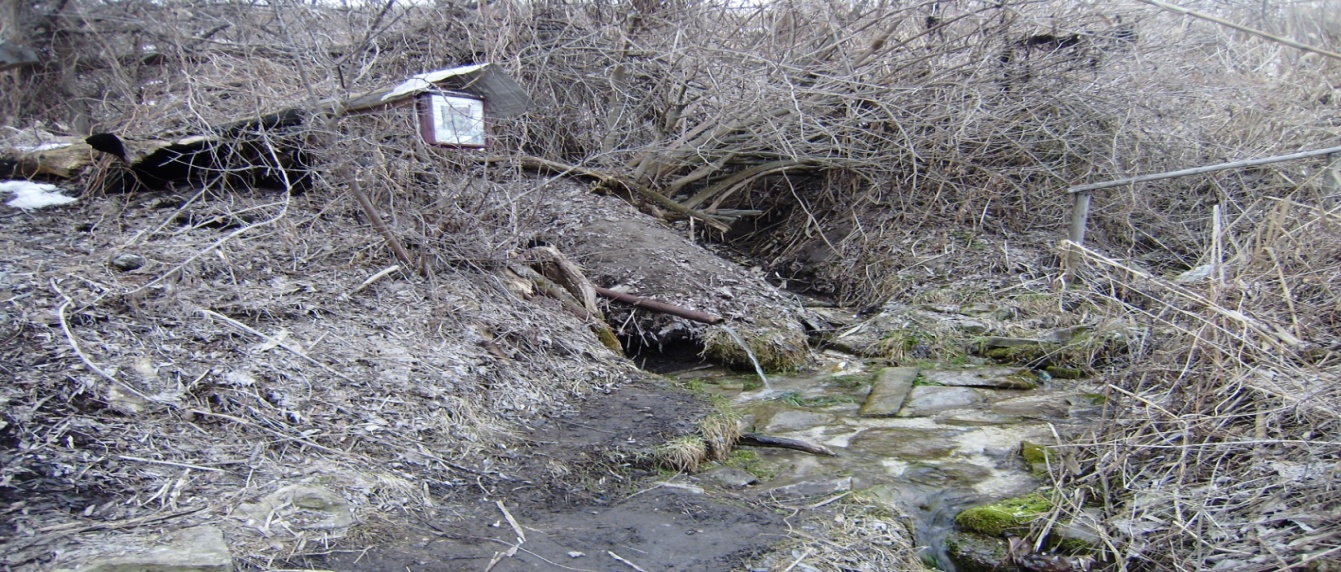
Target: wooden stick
{"x": 662, "y": 307}
{"x": 626, "y": 562}
{"x": 757, "y": 440}
{"x": 521, "y": 535}
{"x": 376, "y": 220}
{"x": 374, "y": 278}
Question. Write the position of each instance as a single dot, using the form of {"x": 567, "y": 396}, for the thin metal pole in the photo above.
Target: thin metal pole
{"x": 1198, "y": 170}
{"x": 1080, "y": 214}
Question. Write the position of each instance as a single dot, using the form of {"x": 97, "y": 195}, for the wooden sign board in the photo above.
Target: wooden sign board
{"x": 452, "y": 120}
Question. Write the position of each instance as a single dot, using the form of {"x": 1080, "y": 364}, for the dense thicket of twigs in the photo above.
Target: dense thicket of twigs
{"x": 854, "y": 126}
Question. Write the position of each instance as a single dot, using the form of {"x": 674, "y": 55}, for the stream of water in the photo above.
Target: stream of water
{"x": 744, "y": 346}
{"x": 949, "y": 448}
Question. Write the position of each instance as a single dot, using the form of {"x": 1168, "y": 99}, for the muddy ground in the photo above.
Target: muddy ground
{"x": 185, "y": 358}
{"x": 580, "y": 495}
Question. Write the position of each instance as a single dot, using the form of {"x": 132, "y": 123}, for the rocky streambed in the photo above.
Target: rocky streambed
{"x": 929, "y": 441}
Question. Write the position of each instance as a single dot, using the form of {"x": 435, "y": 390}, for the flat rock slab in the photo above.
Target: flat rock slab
{"x": 731, "y": 477}
{"x": 198, "y": 549}
{"x": 986, "y": 377}
{"x": 789, "y": 420}
{"x": 805, "y": 488}
{"x": 926, "y": 400}
{"x": 1005, "y": 342}
{"x": 889, "y": 392}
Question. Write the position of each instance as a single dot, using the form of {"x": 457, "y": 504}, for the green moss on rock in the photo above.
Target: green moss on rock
{"x": 1034, "y": 454}
{"x": 1003, "y": 517}
{"x": 1063, "y": 372}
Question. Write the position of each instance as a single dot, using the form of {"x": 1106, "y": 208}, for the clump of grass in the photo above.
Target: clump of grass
{"x": 720, "y": 429}
{"x": 685, "y": 454}
{"x": 795, "y": 399}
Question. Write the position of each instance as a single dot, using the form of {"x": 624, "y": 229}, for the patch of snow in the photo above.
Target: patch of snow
{"x": 30, "y": 196}
{"x": 427, "y": 79}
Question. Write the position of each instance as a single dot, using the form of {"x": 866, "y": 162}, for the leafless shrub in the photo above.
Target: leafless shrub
{"x": 1220, "y": 447}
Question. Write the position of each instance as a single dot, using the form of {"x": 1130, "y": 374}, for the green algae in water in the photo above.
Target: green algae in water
{"x": 795, "y": 399}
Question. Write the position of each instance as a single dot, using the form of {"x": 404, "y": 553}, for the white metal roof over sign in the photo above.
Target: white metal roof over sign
{"x": 503, "y": 96}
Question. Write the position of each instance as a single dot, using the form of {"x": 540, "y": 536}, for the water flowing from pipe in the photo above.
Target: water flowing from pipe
{"x": 757, "y": 368}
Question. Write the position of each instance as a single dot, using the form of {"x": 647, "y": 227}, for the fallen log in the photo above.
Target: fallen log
{"x": 662, "y": 307}
{"x": 757, "y": 440}
{"x": 60, "y": 160}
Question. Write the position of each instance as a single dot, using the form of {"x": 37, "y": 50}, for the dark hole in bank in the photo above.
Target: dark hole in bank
{"x": 666, "y": 356}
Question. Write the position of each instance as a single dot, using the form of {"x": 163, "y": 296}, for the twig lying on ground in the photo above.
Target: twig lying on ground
{"x": 757, "y": 440}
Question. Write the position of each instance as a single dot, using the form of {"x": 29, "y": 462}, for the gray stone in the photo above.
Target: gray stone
{"x": 972, "y": 552}
{"x": 1033, "y": 407}
{"x": 987, "y": 377}
{"x": 300, "y": 506}
{"x": 731, "y": 477}
{"x": 797, "y": 489}
{"x": 976, "y": 418}
{"x": 198, "y": 549}
{"x": 889, "y": 392}
{"x": 788, "y": 420}
{"x": 924, "y": 401}
{"x": 905, "y": 443}
{"x": 127, "y": 262}
{"x": 1006, "y": 342}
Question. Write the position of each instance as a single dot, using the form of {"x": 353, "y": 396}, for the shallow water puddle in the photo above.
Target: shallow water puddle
{"x": 955, "y": 443}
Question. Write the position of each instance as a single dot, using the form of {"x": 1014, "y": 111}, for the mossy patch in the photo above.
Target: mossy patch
{"x": 1063, "y": 372}
{"x": 751, "y": 463}
{"x": 795, "y": 399}
{"x": 778, "y": 350}
{"x": 1096, "y": 398}
{"x": 1010, "y": 515}
{"x": 1036, "y": 455}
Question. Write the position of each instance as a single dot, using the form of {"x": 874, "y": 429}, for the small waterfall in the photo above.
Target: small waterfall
{"x": 757, "y": 368}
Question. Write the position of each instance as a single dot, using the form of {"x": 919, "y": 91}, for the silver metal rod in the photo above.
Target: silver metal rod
{"x": 1197, "y": 170}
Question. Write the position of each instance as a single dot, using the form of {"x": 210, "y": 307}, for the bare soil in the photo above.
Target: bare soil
{"x": 580, "y": 494}
{"x": 172, "y": 357}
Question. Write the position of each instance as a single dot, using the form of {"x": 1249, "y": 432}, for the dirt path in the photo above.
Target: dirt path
{"x": 581, "y": 494}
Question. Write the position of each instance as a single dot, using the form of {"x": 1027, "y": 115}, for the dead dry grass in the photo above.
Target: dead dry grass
{"x": 1221, "y": 446}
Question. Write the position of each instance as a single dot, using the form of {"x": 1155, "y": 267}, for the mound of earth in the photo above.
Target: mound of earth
{"x": 260, "y": 368}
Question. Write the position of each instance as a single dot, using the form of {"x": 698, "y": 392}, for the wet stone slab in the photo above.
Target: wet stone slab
{"x": 984, "y": 377}
{"x": 924, "y": 401}
{"x": 905, "y": 443}
{"x": 782, "y": 420}
{"x": 889, "y": 392}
